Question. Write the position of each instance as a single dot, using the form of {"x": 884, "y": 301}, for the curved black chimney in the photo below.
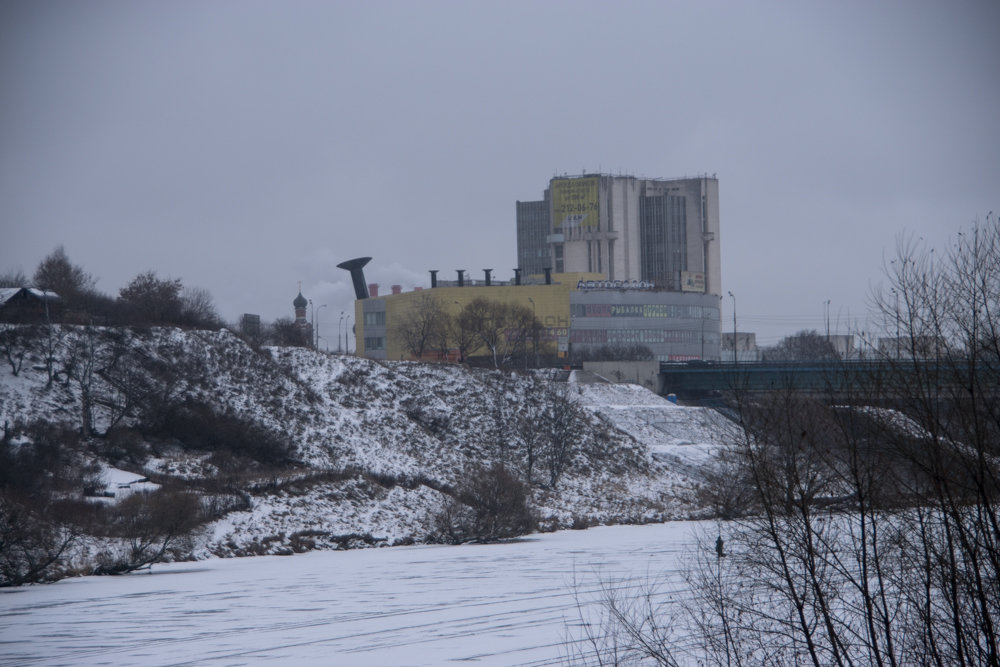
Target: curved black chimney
{"x": 355, "y": 266}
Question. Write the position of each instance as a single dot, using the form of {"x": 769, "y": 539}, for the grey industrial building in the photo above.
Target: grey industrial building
{"x": 674, "y": 326}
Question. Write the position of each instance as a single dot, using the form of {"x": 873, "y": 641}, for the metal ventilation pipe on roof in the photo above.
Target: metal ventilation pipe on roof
{"x": 355, "y": 266}
{"x": 461, "y": 277}
{"x": 488, "y": 272}
{"x": 434, "y": 278}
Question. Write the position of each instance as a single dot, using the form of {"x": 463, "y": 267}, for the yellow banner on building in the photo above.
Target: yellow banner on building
{"x": 574, "y": 202}
{"x": 692, "y": 281}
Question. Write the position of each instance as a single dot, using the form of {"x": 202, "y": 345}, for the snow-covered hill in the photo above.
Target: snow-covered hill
{"x": 378, "y": 445}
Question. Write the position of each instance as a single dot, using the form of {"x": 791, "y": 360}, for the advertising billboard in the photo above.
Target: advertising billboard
{"x": 574, "y": 202}
{"x": 692, "y": 281}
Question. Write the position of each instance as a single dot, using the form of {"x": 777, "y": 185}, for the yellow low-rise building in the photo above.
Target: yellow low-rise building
{"x": 379, "y": 317}
{"x": 563, "y": 318}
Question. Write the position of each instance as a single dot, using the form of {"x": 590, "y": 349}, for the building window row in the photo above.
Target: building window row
{"x": 641, "y": 336}
{"x": 651, "y": 310}
{"x": 374, "y": 343}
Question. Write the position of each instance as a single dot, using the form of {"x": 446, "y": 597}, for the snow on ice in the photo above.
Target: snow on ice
{"x": 498, "y": 604}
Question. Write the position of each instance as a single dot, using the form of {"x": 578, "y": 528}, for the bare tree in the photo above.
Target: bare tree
{"x": 464, "y": 326}
{"x": 57, "y": 274}
{"x": 563, "y": 425}
{"x": 198, "y": 308}
{"x": 502, "y": 328}
{"x": 51, "y": 343}
{"x": 878, "y": 520}
{"x": 502, "y": 432}
{"x": 80, "y": 362}
{"x": 88, "y": 353}
{"x": 151, "y": 300}
{"x": 531, "y": 437}
{"x": 41, "y": 468}
{"x": 13, "y": 278}
{"x": 126, "y": 384}
{"x": 422, "y": 327}
{"x": 871, "y": 534}
{"x": 285, "y": 332}
{"x": 523, "y": 334}
{"x": 13, "y": 346}
{"x": 32, "y": 542}
{"x": 803, "y": 346}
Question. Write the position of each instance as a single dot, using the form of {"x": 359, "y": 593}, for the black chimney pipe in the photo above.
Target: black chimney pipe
{"x": 487, "y": 272}
{"x": 355, "y": 266}
{"x": 548, "y": 276}
{"x": 434, "y": 278}
{"x": 461, "y": 277}
{"x": 517, "y": 276}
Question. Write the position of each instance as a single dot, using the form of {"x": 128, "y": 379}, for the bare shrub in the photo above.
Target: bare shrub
{"x": 491, "y": 505}
{"x": 32, "y": 541}
{"x": 628, "y": 627}
{"x": 14, "y": 345}
{"x": 145, "y": 526}
{"x": 198, "y": 427}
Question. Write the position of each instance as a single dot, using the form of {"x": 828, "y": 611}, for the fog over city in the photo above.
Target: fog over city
{"x": 247, "y": 147}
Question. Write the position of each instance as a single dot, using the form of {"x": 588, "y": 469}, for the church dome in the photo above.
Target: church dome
{"x": 300, "y": 301}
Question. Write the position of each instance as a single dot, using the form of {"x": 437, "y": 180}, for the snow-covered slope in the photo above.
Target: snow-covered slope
{"x": 377, "y": 442}
{"x": 684, "y": 438}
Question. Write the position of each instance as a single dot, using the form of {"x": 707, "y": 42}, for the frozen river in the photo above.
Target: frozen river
{"x": 502, "y": 604}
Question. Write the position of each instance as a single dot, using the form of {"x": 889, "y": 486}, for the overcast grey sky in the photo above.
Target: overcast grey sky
{"x": 246, "y": 146}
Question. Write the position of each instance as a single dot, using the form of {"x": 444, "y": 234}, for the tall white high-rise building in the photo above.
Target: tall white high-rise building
{"x": 661, "y": 231}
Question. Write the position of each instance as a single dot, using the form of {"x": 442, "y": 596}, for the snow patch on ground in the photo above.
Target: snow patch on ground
{"x": 121, "y": 483}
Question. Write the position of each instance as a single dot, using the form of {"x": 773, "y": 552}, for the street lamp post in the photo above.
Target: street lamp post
{"x": 340, "y": 326}
{"x": 734, "y": 326}
{"x": 316, "y": 323}
{"x": 312, "y": 316}
{"x": 826, "y": 316}
{"x": 347, "y": 334}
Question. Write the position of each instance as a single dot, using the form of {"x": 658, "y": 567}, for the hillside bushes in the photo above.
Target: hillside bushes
{"x": 230, "y": 438}
{"x": 491, "y": 505}
{"x": 32, "y": 541}
{"x": 144, "y": 526}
